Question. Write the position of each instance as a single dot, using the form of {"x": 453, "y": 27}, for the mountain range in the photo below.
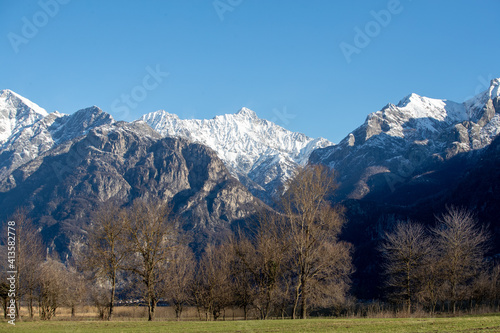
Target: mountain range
{"x": 261, "y": 154}
{"x": 408, "y": 160}
{"x": 400, "y": 143}
{"x": 411, "y": 161}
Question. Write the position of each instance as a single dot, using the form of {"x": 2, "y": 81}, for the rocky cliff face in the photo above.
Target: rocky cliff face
{"x": 401, "y": 142}
{"x": 27, "y": 130}
{"x": 261, "y": 154}
{"x": 123, "y": 162}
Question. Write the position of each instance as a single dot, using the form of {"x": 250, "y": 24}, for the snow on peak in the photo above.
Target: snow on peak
{"x": 247, "y": 113}
{"x": 414, "y": 116}
{"x": 249, "y": 146}
{"x": 418, "y": 119}
{"x": 14, "y": 99}
{"x": 27, "y": 130}
{"x": 16, "y": 112}
{"x": 411, "y": 98}
{"x": 478, "y": 102}
{"x": 161, "y": 114}
{"x": 415, "y": 107}
{"x": 494, "y": 90}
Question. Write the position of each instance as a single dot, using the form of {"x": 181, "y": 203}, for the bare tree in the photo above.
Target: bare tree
{"x": 262, "y": 260}
{"x": 75, "y": 289}
{"x": 100, "y": 297}
{"x": 179, "y": 278}
{"x": 431, "y": 280}
{"x": 462, "y": 244}
{"x": 494, "y": 295}
{"x": 52, "y": 279}
{"x": 106, "y": 250}
{"x": 318, "y": 258}
{"x": 213, "y": 283}
{"x": 481, "y": 289}
{"x": 29, "y": 255}
{"x": 242, "y": 271}
{"x": 407, "y": 251}
{"x": 152, "y": 233}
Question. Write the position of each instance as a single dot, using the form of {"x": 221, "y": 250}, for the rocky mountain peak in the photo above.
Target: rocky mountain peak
{"x": 261, "y": 154}
{"x": 402, "y": 139}
{"x": 411, "y": 98}
{"x": 122, "y": 162}
{"x": 247, "y": 113}
{"x": 16, "y": 112}
{"x": 8, "y": 97}
{"x": 494, "y": 90}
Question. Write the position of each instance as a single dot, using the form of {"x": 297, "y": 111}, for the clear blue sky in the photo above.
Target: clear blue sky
{"x": 281, "y": 58}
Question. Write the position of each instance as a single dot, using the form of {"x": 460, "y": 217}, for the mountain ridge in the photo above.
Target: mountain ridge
{"x": 122, "y": 162}
{"x": 399, "y": 141}
{"x": 261, "y": 154}
{"x": 38, "y": 134}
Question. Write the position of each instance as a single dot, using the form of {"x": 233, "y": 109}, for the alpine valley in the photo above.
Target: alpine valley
{"x": 407, "y": 161}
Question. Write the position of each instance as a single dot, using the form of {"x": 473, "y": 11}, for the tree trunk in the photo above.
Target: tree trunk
{"x": 113, "y": 289}
{"x": 30, "y": 307}
{"x": 151, "y": 310}
{"x": 296, "y": 303}
{"x": 304, "y": 301}
{"x": 5, "y": 307}
{"x": 18, "y": 314}
{"x": 408, "y": 286}
{"x": 178, "y": 310}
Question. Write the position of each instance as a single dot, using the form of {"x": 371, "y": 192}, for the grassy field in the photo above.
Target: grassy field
{"x": 488, "y": 323}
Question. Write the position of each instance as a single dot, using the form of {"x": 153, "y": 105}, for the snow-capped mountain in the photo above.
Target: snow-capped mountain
{"x": 395, "y": 145}
{"x": 17, "y": 112}
{"x": 260, "y": 153}
{"x": 401, "y": 142}
{"x": 27, "y": 130}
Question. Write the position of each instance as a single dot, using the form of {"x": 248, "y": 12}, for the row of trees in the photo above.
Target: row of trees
{"x": 443, "y": 266}
{"x": 39, "y": 278}
{"x": 290, "y": 262}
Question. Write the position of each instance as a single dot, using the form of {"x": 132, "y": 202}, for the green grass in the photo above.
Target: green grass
{"x": 490, "y": 323}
